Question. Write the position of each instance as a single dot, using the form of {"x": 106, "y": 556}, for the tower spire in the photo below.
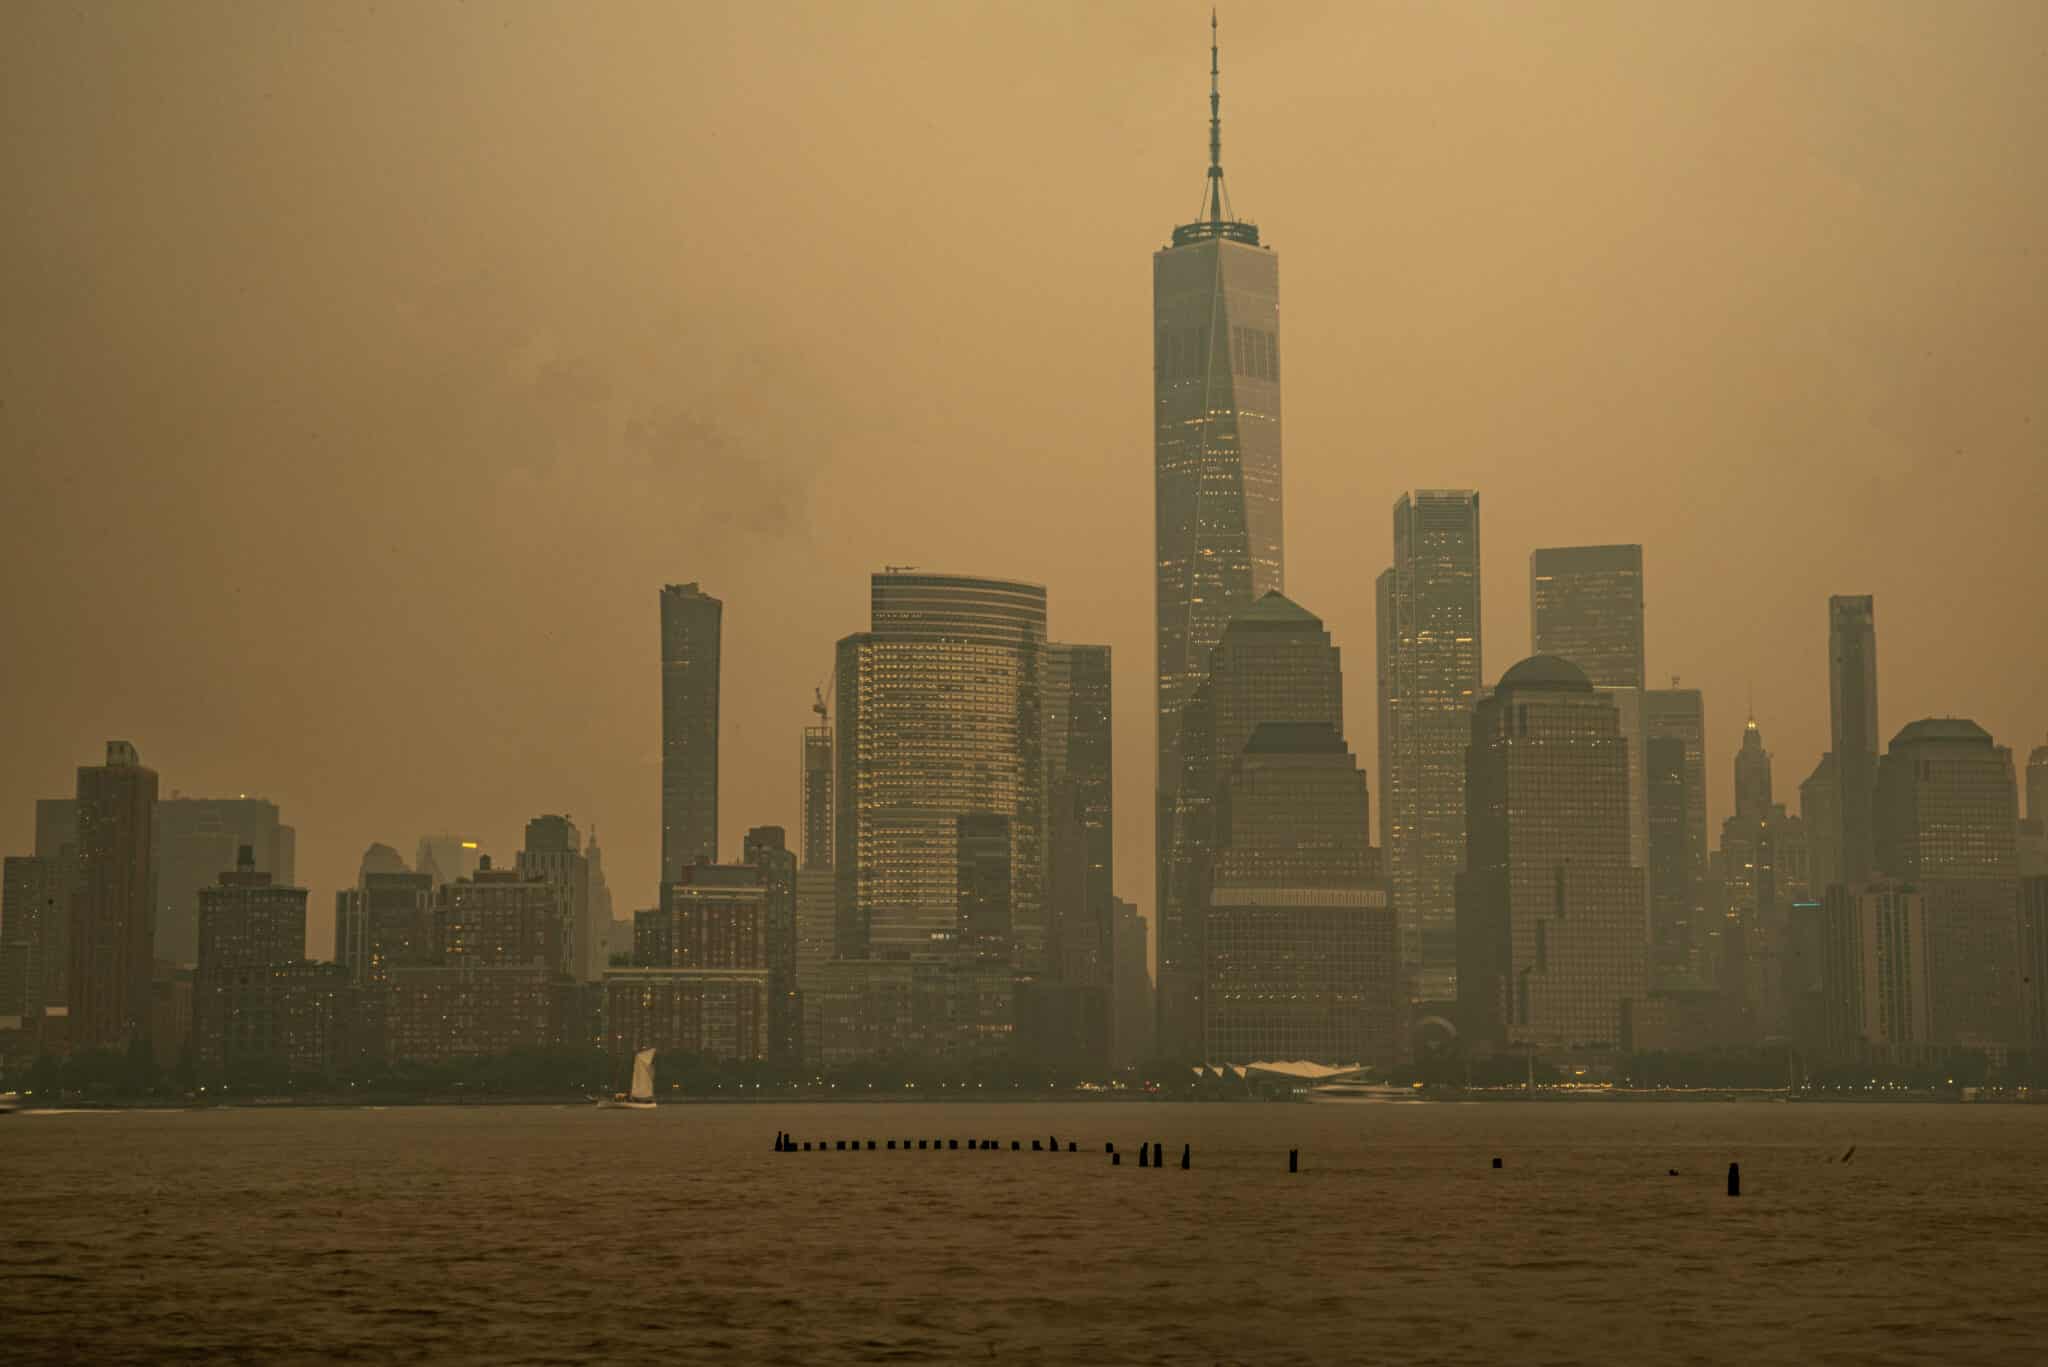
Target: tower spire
{"x": 1215, "y": 128}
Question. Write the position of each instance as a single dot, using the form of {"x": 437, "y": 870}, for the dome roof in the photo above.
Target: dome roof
{"x": 1552, "y": 672}
{"x": 1941, "y": 729}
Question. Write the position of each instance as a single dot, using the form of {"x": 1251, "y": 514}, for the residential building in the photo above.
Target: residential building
{"x": 691, "y": 625}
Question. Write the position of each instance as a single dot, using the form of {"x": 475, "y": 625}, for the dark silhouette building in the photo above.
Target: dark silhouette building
{"x": 1852, "y": 718}
{"x": 1273, "y": 663}
{"x": 1298, "y": 938}
{"x": 113, "y": 930}
{"x": 691, "y": 623}
{"x": 1550, "y": 912}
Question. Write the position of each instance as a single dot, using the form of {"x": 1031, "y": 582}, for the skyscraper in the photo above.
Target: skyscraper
{"x": 1586, "y": 606}
{"x": 938, "y": 719}
{"x": 1216, "y": 449}
{"x": 1273, "y": 663}
{"x": 1429, "y": 678}
{"x": 113, "y": 931}
{"x": 1550, "y": 912}
{"x": 1945, "y": 818}
{"x": 1679, "y": 716}
{"x": 817, "y": 792}
{"x": 691, "y": 622}
{"x": 1852, "y": 714}
{"x": 1078, "y": 781}
{"x": 1750, "y": 889}
{"x": 1297, "y": 938}
{"x": 1820, "y": 807}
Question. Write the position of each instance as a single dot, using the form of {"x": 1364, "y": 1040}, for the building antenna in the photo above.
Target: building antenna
{"x": 1215, "y": 128}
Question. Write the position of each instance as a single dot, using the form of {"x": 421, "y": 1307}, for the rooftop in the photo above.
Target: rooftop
{"x": 1551, "y": 673}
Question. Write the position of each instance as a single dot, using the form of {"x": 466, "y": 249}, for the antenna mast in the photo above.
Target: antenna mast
{"x": 1215, "y": 129}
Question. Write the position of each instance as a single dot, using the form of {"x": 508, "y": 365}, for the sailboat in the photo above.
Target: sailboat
{"x": 641, "y": 1098}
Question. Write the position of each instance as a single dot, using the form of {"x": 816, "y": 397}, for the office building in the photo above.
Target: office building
{"x": 1945, "y": 819}
{"x": 939, "y": 720}
{"x": 1852, "y": 719}
{"x": 113, "y": 931}
{"x": 1429, "y": 657}
{"x": 691, "y": 624}
{"x": 197, "y": 837}
{"x": 1217, "y": 504}
{"x": 1299, "y": 940}
{"x": 1668, "y": 799}
{"x": 1550, "y": 912}
{"x": 2033, "y": 964}
{"x": 1586, "y": 606}
{"x": 1081, "y": 849}
{"x": 1273, "y": 663}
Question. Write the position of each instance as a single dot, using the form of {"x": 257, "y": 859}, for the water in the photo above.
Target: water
{"x": 528, "y": 1234}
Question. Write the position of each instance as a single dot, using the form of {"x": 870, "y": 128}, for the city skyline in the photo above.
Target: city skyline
{"x": 489, "y": 712}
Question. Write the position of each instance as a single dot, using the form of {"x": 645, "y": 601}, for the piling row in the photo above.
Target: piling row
{"x": 1151, "y": 1154}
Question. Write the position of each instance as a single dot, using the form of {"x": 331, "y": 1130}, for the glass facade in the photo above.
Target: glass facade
{"x": 939, "y": 717}
{"x": 1429, "y": 661}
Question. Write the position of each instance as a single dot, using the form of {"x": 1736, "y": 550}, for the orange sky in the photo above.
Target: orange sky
{"x": 365, "y": 370}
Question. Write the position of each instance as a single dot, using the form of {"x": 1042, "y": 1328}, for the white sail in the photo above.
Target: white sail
{"x": 643, "y": 1076}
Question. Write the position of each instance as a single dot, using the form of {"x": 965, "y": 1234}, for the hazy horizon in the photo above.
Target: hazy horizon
{"x": 367, "y": 372}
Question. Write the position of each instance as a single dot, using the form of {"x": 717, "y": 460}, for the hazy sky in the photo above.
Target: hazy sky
{"x": 365, "y": 369}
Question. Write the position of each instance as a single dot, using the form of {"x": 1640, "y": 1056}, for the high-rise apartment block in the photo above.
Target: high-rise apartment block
{"x": 113, "y": 931}
{"x": 1550, "y": 911}
{"x": 1875, "y": 968}
{"x": 700, "y": 980}
{"x": 553, "y": 853}
{"x": 691, "y": 623}
{"x": 1429, "y": 678}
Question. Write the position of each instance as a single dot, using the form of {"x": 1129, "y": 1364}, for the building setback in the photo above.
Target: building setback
{"x": 1429, "y": 659}
{"x": 691, "y": 623}
{"x": 1550, "y": 912}
{"x": 1273, "y": 663}
{"x": 1298, "y": 939}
